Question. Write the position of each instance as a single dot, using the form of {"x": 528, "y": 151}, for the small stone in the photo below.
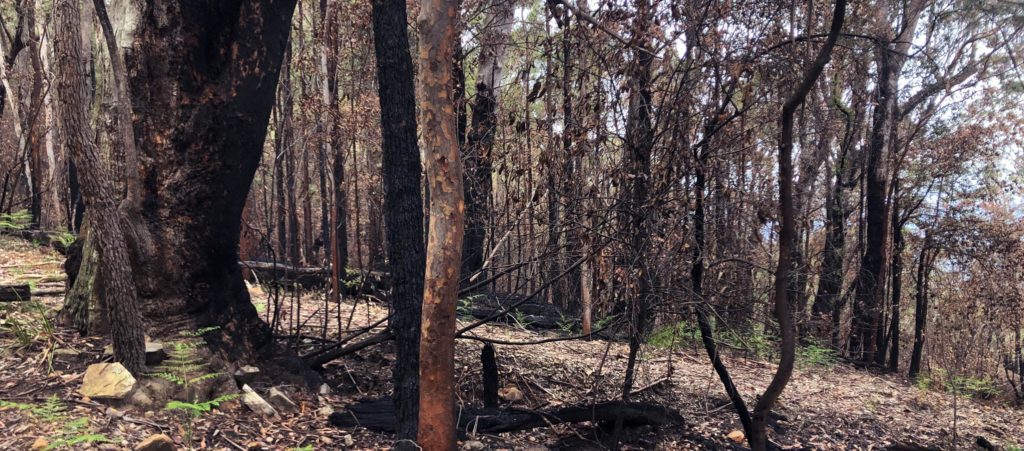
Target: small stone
{"x": 114, "y": 413}
{"x": 107, "y": 381}
{"x": 281, "y": 400}
{"x": 325, "y": 410}
{"x": 159, "y": 388}
{"x": 348, "y": 441}
{"x": 325, "y": 389}
{"x": 67, "y": 352}
{"x": 156, "y": 442}
{"x": 40, "y": 444}
{"x": 737, "y": 436}
{"x": 473, "y": 445}
{"x": 511, "y": 394}
{"x": 246, "y": 374}
{"x": 326, "y": 440}
{"x": 140, "y": 399}
{"x": 254, "y": 446}
{"x": 149, "y": 414}
{"x": 155, "y": 353}
{"x": 256, "y": 403}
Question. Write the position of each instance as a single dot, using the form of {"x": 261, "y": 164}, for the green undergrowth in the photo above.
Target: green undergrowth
{"x": 72, "y": 433}
{"x": 752, "y": 341}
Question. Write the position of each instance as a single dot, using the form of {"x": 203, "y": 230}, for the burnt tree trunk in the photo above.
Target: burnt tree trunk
{"x": 403, "y": 211}
{"x": 869, "y": 285}
{"x": 924, "y": 269}
{"x": 757, "y": 436}
{"x": 202, "y": 77}
{"x": 480, "y": 141}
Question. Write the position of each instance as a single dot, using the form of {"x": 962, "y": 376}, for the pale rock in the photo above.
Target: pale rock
{"x": 737, "y": 436}
{"x": 246, "y": 374}
{"x": 511, "y": 394}
{"x": 348, "y": 441}
{"x": 107, "y": 381}
{"x": 257, "y": 404}
{"x": 325, "y": 389}
{"x": 40, "y": 444}
{"x": 280, "y": 400}
{"x": 325, "y": 410}
{"x": 114, "y": 413}
{"x": 67, "y": 352}
{"x": 155, "y": 353}
{"x": 473, "y": 445}
{"x": 156, "y": 442}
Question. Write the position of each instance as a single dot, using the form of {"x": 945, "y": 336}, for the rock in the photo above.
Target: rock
{"x": 156, "y": 442}
{"x": 325, "y": 410}
{"x": 155, "y": 353}
{"x": 325, "y": 389}
{"x": 511, "y": 394}
{"x": 159, "y": 388}
{"x": 107, "y": 381}
{"x": 246, "y": 374}
{"x": 325, "y": 406}
{"x": 281, "y": 400}
{"x": 348, "y": 441}
{"x": 114, "y": 413}
{"x": 67, "y": 352}
{"x": 473, "y": 445}
{"x": 257, "y": 404}
{"x": 326, "y": 440}
{"x": 140, "y": 399}
{"x": 254, "y": 446}
{"x": 737, "y": 436}
{"x": 40, "y": 444}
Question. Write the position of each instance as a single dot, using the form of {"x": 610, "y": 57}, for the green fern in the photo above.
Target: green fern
{"x": 18, "y": 220}
{"x": 185, "y": 369}
{"x": 197, "y": 409}
{"x": 72, "y": 432}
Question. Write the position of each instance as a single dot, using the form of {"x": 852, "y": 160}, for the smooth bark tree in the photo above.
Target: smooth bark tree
{"x": 757, "y": 436}
{"x": 115, "y": 272}
{"x": 403, "y": 212}
{"x": 437, "y": 20}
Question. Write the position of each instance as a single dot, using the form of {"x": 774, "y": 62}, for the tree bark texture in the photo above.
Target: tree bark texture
{"x": 115, "y": 270}
{"x": 403, "y": 211}
{"x": 202, "y": 77}
{"x": 437, "y": 20}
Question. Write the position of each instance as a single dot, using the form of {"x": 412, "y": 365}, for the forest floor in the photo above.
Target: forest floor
{"x": 826, "y": 406}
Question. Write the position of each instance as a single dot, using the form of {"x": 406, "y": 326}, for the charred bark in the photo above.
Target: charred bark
{"x": 202, "y": 77}
{"x": 403, "y": 211}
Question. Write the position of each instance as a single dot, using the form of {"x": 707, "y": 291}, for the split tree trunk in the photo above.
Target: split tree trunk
{"x": 757, "y": 436}
{"x": 202, "y": 76}
{"x": 115, "y": 266}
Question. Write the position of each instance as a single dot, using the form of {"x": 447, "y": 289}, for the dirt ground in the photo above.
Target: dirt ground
{"x": 824, "y": 407}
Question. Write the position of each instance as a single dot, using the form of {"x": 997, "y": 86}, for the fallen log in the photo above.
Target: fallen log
{"x": 57, "y": 240}
{"x": 15, "y": 293}
{"x": 526, "y": 313}
{"x": 309, "y": 277}
{"x": 379, "y": 415}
